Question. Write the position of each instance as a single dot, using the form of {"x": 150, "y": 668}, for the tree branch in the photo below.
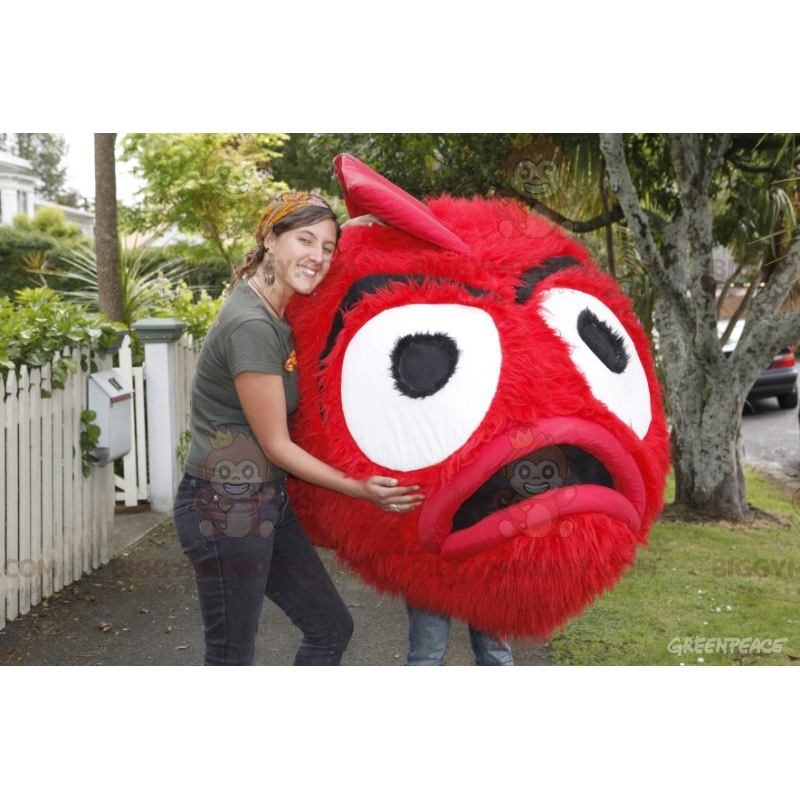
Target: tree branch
{"x": 712, "y": 161}
{"x": 744, "y": 167}
{"x": 685, "y": 154}
{"x": 766, "y": 329}
{"x": 781, "y": 280}
{"x": 761, "y": 338}
{"x": 585, "y": 226}
{"x": 749, "y": 141}
{"x": 638, "y": 218}
{"x": 581, "y": 226}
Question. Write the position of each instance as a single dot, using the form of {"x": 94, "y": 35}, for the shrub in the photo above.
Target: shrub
{"x": 197, "y": 314}
{"x": 38, "y": 326}
{"x": 51, "y": 222}
{"x": 27, "y": 258}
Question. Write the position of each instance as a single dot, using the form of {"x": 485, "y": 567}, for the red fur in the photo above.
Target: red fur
{"x": 525, "y": 586}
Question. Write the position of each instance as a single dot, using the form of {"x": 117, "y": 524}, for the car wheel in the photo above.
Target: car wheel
{"x": 788, "y": 400}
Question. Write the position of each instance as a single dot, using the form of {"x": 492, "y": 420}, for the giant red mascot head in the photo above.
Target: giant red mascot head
{"x": 500, "y": 370}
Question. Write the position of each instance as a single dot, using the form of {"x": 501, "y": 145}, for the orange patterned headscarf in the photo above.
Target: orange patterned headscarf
{"x": 283, "y": 205}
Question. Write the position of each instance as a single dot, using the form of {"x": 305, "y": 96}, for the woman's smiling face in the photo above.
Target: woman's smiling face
{"x": 301, "y": 257}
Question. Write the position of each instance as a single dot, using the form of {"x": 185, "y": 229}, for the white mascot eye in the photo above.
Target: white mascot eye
{"x": 417, "y": 380}
{"x": 603, "y": 351}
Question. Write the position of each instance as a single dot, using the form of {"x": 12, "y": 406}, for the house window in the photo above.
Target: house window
{"x": 22, "y": 202}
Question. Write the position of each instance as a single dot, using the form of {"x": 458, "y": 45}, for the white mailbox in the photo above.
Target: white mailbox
{"x": 110, "y": 397}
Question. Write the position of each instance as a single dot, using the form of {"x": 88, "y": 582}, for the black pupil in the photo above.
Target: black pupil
{"x": 422, "y": 363}
{"x": 602, "y": 341}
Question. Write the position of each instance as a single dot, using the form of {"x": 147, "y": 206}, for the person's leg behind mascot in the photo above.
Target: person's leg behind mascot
{"x": 428, "y": 636}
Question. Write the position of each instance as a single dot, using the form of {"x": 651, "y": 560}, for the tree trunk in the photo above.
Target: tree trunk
{"x": 109, "y": 286}
{"x": 705, "y": 401}
{"x": 231, "y": 266}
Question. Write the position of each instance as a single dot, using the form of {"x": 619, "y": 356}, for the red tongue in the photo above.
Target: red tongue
{"x": 367, "y": 192}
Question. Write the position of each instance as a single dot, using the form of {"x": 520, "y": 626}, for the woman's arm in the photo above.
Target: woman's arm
{"x": 264, "y": 405}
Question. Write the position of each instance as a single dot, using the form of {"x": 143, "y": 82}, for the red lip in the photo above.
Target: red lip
{"x": 626, "y": 501}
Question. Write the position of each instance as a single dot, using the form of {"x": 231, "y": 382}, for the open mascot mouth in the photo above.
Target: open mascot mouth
{"x": 463, "y": 518}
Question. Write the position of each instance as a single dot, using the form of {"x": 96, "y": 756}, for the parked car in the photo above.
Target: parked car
{"x": 778, "y": 380}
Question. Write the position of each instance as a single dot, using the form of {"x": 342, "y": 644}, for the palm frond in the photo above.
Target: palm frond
{"x": 145, "y": 280}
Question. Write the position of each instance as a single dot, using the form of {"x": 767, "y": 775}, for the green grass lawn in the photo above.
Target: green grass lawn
{"x": 700, "y": 580}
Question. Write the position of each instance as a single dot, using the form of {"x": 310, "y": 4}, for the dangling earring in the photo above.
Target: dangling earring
{"x": 269, "y": 270}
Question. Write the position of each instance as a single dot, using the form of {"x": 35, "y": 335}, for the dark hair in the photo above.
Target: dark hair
{"x": 308, "y": 215}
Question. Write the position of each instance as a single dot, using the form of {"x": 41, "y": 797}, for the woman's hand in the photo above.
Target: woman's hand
{"x": 264, "y": 404}
{"x": 387, "y": 495}
{"x": 365, "y": 219}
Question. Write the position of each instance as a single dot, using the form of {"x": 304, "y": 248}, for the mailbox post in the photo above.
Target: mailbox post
{"x": 159, "y": 337}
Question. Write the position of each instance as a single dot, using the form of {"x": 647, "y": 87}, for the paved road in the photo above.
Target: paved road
{"x": 772, "y": 439}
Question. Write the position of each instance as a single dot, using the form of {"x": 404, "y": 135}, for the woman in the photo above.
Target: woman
{"x": 231, "y": 512}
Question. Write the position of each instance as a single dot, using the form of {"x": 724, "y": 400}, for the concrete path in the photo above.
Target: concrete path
{"x": 142, "y": 609}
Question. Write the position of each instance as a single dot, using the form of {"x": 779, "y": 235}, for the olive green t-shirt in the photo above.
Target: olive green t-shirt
{"x": 245, "y": 337}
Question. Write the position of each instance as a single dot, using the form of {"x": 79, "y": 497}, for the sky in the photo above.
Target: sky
{"x": 80, "y": 169}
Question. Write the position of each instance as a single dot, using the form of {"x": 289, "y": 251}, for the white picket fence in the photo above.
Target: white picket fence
{"x": 187, "y": 351}
{"x": 56, "y": 522}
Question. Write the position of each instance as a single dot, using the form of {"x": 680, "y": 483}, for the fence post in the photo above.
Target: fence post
{"x": 160, "y": 337}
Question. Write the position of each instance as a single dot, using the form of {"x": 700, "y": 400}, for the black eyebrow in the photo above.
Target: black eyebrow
{"x": 371, "y": 284}
{"x": 531, "y": 277}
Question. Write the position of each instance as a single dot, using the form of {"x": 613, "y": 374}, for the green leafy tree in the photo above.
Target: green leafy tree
{"x": 212, "y": 186}
{"x": 45, "y": 151}
{"x": 465, "y": 164}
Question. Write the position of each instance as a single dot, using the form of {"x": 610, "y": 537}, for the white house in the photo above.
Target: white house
{"x": 18, "y": 185}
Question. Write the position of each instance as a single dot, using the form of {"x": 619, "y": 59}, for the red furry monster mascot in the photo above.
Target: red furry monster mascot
{"x": 509, "y": 378}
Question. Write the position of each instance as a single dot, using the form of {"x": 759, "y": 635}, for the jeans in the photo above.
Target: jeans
{"x": 235, "y": 569}
{"x": 428, "y": 636}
